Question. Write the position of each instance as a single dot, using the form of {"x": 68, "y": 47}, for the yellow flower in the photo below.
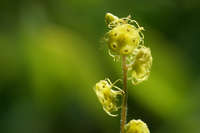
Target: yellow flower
{"x": 141, "y": 65}
{"x": 107, "y": 96}
{"x": 136, "y": 126}
{"x": 123, "y": 38}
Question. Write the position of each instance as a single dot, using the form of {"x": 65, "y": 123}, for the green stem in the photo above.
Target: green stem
{"x": 125, "y": 96}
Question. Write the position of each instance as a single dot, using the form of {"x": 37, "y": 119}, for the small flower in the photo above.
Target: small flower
{"x": 142, "y": 63}
{"x": 123, "y": 37}
{"x": 107, "y": 96}
{"x": 136, "y": 126}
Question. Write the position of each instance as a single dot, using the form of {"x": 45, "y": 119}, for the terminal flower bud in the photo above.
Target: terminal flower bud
{"x": 110, "y": 18}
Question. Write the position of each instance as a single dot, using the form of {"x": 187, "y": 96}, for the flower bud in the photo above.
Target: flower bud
{"x": 110, "y": 18}
{"x": 136, "y": 126}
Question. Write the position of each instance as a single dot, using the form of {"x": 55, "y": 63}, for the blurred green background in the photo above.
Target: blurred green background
{"x": 51, "y": 55}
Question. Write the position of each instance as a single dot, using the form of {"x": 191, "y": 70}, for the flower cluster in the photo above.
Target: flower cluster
{"x": 125, "y": 38}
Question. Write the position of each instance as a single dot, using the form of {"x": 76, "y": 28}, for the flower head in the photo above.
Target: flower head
{"x": 123, "y": 37}
{"x": 136, "y": 126}
{"x": 107, "y": 96}
{"x": 142, "y": 65}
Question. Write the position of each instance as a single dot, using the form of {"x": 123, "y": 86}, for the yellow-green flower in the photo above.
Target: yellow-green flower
{"x": 107, "y": 96}
{"x": 136, "y": 126}
{"x": 142, "y": 64}
{"x": 123, "y": 37}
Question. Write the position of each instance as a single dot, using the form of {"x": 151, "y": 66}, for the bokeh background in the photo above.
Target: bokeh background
{"x": 52, "y": 54}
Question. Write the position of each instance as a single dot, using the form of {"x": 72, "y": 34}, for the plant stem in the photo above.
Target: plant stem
{"x": 125, "y": 96}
